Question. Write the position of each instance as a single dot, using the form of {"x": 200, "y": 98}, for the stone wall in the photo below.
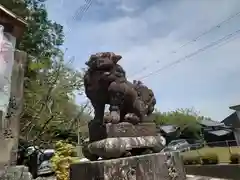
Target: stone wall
{"x": 145, "y": 167}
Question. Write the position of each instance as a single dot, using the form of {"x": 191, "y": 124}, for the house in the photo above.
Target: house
{"x": 216, "y": 133}
{"x": 170, "y": 132}
{"x": 207, "y": 123}
{"x": 233, "y": 120}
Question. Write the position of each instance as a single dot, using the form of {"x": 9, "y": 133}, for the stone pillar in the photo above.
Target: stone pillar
{"x": 17, "y": 92}
{"x": 157, "y": 166}
{"x": 10, "y": 133}
{"x": 236, "y": 132}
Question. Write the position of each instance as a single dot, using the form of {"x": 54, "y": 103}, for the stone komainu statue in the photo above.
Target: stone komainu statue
{"x": 106, "y": 83}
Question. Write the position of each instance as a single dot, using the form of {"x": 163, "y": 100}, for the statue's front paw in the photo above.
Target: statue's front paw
{"x": 115, "y": 116}
{"x": 107, "y": 119}
{"x": 131, "y": 118}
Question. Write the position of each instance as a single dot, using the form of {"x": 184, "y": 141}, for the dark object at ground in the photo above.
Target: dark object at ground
{"x": 32, "y": 164}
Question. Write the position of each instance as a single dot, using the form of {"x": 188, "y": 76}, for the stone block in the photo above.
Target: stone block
{"x": 145, "y": 167}
{"x": 16, "y": 173}
{"x": 98, "y": 131}
{"x": 117, "y": 147}
{"x": 129, "y": 130}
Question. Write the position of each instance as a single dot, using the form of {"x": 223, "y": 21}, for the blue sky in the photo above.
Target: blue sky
{"x": 145, "y": 32}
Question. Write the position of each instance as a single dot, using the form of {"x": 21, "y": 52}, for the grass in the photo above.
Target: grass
{"x": 222, "y": 152}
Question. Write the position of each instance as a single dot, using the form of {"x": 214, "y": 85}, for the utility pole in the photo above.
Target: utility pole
{"x": 79, "y": 147}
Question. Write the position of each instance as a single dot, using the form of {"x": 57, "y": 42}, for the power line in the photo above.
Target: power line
{"x": 225, "y": 42}
{"x": 194, "y": 39}
{"x": 81, "y": 10}
{"x": 223, "y": 39}
{"x": 79, "y": 13}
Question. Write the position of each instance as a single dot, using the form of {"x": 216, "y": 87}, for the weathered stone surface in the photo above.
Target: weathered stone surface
{"x": 9, "y": 133}
{"x": 116, "y": 147}
{"x": 97, "y": 130}
{"x": 129, "y": 130}
{"x": 124, "y": 129}
{"x": 46, "y": 178}
{"x": 146, "y": 167}
{"x": 16, "y": 173}
{"x": 105, "y": 82}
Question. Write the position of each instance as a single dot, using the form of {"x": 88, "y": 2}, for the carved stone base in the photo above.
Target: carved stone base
{"x": 98, "y": 131}
{"x": 146, "y": 167}
{"x": 16, "y": 173}
{"x": 119, "y": 147}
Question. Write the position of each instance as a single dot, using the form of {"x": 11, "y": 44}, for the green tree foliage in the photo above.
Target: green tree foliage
{"x": 43, "y": 36}
{"x": 186, "y": 119}
{"x": 50, "y": 82}
{"x": 50, "y": 102}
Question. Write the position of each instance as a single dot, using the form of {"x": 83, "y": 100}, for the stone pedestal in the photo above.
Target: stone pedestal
{"x": 145, "y": 167}
{"x": 122, "y": 139}
{"x": 99, "y": 131}
{"x": 118, "y": 147}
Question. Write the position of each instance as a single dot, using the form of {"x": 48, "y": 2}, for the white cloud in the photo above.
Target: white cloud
{"x": 208, "y": 81}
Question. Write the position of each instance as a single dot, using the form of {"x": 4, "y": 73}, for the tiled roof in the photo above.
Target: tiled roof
{"x": 207, "y": 122}
{"x": 220, "y": 132}
{"x": 232, "y": 120}
{"x": 168, "y": 128}
{"x": 235, "y": 107}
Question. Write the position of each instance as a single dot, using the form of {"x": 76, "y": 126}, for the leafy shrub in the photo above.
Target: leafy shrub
{"x": 191, "y": 160}
{"x": 235, "y": 158}
{"x": 210, "y": 158}
{"x": 65, "y": 155}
